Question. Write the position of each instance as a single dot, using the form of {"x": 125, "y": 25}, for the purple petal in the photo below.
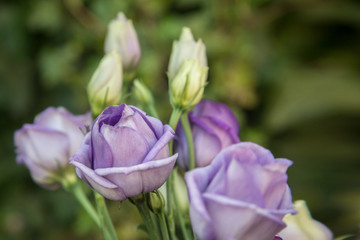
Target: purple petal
{"x": 144, "y": 177}
{"x": 101, "y": 152}
{"x": 111, "y": 115}
{"x": 61, "y": 120}
{"x": 134, "y": 120}
{"x": 208, "y": 108}
{"x": 207, "y": 145}
{"x": 259, "y": 224}
{"x": 127, "y": 146}
{"x": 100, "y": 184}
{"x": 197, "y": 181}
{"x": 43, "y": 147}
{"x": 160, "y": 149}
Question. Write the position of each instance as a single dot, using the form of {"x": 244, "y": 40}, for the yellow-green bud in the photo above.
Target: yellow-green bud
{"x": 122, "y": 37}
{"x": 156, "y": 202}
{"x": 303, "y": 227}
{"x": 187, "y": 87}
{"x": 104, "y": 88}
{"x": 186, "y": 48}
{"x": 142, "y": 93}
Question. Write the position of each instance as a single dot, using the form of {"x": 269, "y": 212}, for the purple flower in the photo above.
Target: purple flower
{"x": 214, "y": 127}
{"x": 46, "y": 145}
{"x": 243, "y": 194}
{"x": 125, "y": 154}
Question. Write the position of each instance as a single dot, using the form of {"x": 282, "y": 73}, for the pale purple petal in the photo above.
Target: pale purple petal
{"x": 101, "y": 152}
{"x": 144, "y": 177}
{"x": 61, "y": 120}
{"x": 100, "y": 184}
{"x": 127, "y": 146}
{"x": 161, "y": 149}
{"x": 251, "y": 221}
{"x": 46, "y": 148}
{"x": 218, "y": 111}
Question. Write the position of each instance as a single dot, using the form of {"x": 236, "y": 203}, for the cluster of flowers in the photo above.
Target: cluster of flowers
{"x": 235, "y": 189}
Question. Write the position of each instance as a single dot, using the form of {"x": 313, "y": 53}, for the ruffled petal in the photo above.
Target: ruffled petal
{"x": 145, "y": 177}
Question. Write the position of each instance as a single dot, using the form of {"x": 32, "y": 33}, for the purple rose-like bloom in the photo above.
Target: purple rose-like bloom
{"x": 243, "y": 194}
{"x": 214, "y": 127}
{"x": 125, "y": 154}
{"x": 46, "y": 145}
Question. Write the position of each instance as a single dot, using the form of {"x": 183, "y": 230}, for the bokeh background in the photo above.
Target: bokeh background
{"x": 290, "y": 69}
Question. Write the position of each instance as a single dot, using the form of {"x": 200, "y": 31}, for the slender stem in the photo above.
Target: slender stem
{"x": 174, "y": 119}
{"x": 189, "y": 139}
{"x": 106, "y": 225}
{"x": 148, "y": 220}
{"x": 109, "y": 223}
{"x": 78, "y": 192}
{"x": 99, "y": 202}
{"x": 163, "y": 227}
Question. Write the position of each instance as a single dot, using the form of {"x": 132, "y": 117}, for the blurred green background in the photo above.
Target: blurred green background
{"x": 290, "y": 69}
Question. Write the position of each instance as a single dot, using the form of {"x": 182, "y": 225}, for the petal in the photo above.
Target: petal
{"x": 154, "y": 123}
{"x": 160, "y": 149}
{"x": 135, "y": 120}
{"x": 99, "y": 183}
{"x": 127, "y": 146}
{"x": 101, "y": 152}
{"x": 197, "y": 181}
{"x": 206, "y": 143}
{"x": 217, "y": 111}
{"x": 227, "y": 214}
{"x": 144, "y": 177}
{"x": 83, "y": 156}
{"x": 61, "y": 120}
{"x": 48, "y": 149}
{"x": 180, "y": 146}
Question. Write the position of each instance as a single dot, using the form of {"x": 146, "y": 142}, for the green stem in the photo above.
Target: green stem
{"x": 174, "y": 119}
{"x": 106, "y": 225}
{"x": 189, "y": 139}
{"x": 109, "y": 223}
{"x": 148, "y": 220}
{"x": 84, "y": 201}
{"x": 163, "y": 227}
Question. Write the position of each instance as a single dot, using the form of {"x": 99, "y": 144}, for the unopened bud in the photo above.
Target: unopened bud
{"x": 303, "y": 226}
{"x": 187, "y": 87}
{"x": 122, "y": 37}
{"x": 104, "y": 88}
{"x": 186, "y": 48}
{"x": 142, "y": 93}
{"x": 156, "y": 202}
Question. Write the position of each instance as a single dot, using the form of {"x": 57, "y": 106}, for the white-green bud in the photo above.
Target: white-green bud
{"x": 187, "y": 87}
{"x": 186, "y": 48}
{"x": 303, "y": 226}
{"x": 122, "y": 37}
{"x": 142, "y": 93}
{"x": 104, "y": 88}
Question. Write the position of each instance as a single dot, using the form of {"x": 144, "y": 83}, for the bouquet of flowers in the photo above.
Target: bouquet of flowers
{"x": 192, "y": 178}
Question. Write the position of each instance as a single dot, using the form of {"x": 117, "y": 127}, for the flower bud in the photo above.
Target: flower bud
{"x": 302, "y": 227}
{"x": 121, "y": 37}
{"x": 104, "y": 88}
{"x": 142, "y": 93}
{"x": 187, "y": 87}
{"x": 156, "y": 202}
{"x": 186, "y": 48}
